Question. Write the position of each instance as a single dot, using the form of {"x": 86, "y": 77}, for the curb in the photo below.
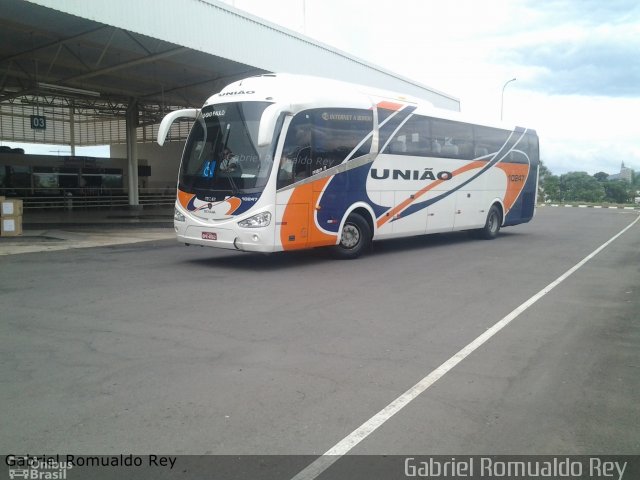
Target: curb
{"x": 587, "y": 206}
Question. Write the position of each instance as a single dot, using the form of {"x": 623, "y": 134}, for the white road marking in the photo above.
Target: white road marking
{"x": 367, "y": 428}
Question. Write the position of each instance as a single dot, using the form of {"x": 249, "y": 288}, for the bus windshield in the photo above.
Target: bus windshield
{"x": 222, "y": 152}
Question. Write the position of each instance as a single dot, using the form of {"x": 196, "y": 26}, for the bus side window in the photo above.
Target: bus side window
{"x": 520, "y": 153}
{"x": 337, "y": 133}
{"x": 322, "y": 138}
{"x": 412, "y": 139}
{"x": 297, "y": 152}
{"x": 454, "y": 139}
{"x": 489, "y": 140}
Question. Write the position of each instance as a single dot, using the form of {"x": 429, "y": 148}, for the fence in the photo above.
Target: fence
{"x": 87, "y": 198}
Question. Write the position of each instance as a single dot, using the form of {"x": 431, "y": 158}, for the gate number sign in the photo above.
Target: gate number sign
{"x": 38, "y": 122}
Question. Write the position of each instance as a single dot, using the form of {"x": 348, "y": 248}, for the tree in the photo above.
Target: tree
{"x": 552, "y": 188}
{"x": 543, "y": 171}
{"x": 601, "y": 176}
{"x": 618, "y": 191}
{"x": 580, "y": 186}
{"x": 548, "y": 185}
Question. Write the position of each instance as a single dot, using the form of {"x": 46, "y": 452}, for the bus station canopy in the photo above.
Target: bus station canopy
{"x": 85, "y": 63}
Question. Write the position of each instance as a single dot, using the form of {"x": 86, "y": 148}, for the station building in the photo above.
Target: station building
{"x": 83, "y": 73}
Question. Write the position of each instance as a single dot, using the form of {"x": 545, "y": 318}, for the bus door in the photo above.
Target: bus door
{"x": 293, "y": 202}
{"x": 294, "y": 226}
{"x": 318, "y": 140}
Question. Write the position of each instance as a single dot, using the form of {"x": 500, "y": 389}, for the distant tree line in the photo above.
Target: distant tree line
{"x": 582, "y": 187}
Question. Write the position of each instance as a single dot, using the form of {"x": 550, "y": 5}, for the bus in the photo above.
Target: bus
{"x": 281, "y": 162}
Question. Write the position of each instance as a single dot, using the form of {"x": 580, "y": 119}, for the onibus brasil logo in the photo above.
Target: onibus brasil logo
{"x": 34, "y": 467}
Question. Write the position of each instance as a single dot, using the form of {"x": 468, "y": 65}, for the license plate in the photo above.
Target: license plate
{"x": 209, "y": 236}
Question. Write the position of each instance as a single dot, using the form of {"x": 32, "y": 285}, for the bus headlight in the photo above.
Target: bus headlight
{"x": 177, "y": 216}
{"x": 259, "y": 220}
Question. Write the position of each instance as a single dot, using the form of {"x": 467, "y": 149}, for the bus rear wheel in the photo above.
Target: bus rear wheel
{"x": 354, "y": 238}
{"x": 492, "y": 225}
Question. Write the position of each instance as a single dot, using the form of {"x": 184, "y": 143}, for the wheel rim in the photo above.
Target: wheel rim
{"x": 350, "y": 236}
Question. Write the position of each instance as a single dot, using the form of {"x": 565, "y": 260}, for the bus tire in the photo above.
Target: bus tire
{"x": 492, "y": 225}
{"x": 354, "y": 238}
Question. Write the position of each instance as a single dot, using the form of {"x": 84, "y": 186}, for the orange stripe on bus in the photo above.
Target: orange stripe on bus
{"x": 517, "y": 174}
{"x": 398, "y": 208}
{"x": 390, "y": 105}
{"x": 184, "y": 198}
{"x": 235, "y": 202}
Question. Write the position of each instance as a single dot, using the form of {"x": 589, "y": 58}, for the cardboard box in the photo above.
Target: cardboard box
{"x": 10, "y": 226}
{"x": 10, "y": 208}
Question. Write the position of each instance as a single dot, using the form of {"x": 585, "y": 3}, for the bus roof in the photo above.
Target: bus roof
{"x": 301, "y": 92}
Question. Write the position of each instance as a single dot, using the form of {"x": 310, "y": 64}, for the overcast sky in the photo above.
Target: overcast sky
{"x": 577, "y": 63}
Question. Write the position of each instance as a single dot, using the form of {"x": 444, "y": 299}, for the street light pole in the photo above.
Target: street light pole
{"x": 304, "y": 17}
{"x": 502, "y": 98}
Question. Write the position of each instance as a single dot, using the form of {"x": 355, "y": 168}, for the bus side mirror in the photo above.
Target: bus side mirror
{"x": 268, "y": 124}
{"x": 169, "y": 118}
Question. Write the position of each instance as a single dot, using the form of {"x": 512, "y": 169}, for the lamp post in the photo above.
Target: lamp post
{"x": 304, "y": 17}
{"x": 502, "y": 98}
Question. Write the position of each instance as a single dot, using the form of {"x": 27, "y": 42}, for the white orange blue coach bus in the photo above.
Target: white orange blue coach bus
{"x": 285, "y": 162}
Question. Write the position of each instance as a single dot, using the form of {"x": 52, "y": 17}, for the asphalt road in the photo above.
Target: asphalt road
{"x": 156, "y": 347}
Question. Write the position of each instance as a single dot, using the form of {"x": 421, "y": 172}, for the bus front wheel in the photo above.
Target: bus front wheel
{"x": 354, "y": 239}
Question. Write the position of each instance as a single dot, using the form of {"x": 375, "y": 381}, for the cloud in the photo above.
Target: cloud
{"x": 562, "y": 157}
{"x": 581, "y": 133}
{"x": 578, "y": 48}
{"x": 584, "y": 12}
{"x": 601, "y": 66}
{"x": 576, "y": 62}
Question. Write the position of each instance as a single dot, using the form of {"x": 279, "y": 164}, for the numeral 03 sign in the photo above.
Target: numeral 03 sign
{"x": 38, "y": 122}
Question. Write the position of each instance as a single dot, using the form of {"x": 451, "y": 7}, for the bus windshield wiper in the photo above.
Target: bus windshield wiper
{"x": 234, "y": 188}
{"x": 227, "y": 169}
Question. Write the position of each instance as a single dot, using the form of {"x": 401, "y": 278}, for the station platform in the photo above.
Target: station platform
{"x": 52, "y": 230}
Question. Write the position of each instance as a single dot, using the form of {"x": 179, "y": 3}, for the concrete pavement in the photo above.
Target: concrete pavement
{"x": 52, "y": 230}
{"x": 156, "y": 347}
